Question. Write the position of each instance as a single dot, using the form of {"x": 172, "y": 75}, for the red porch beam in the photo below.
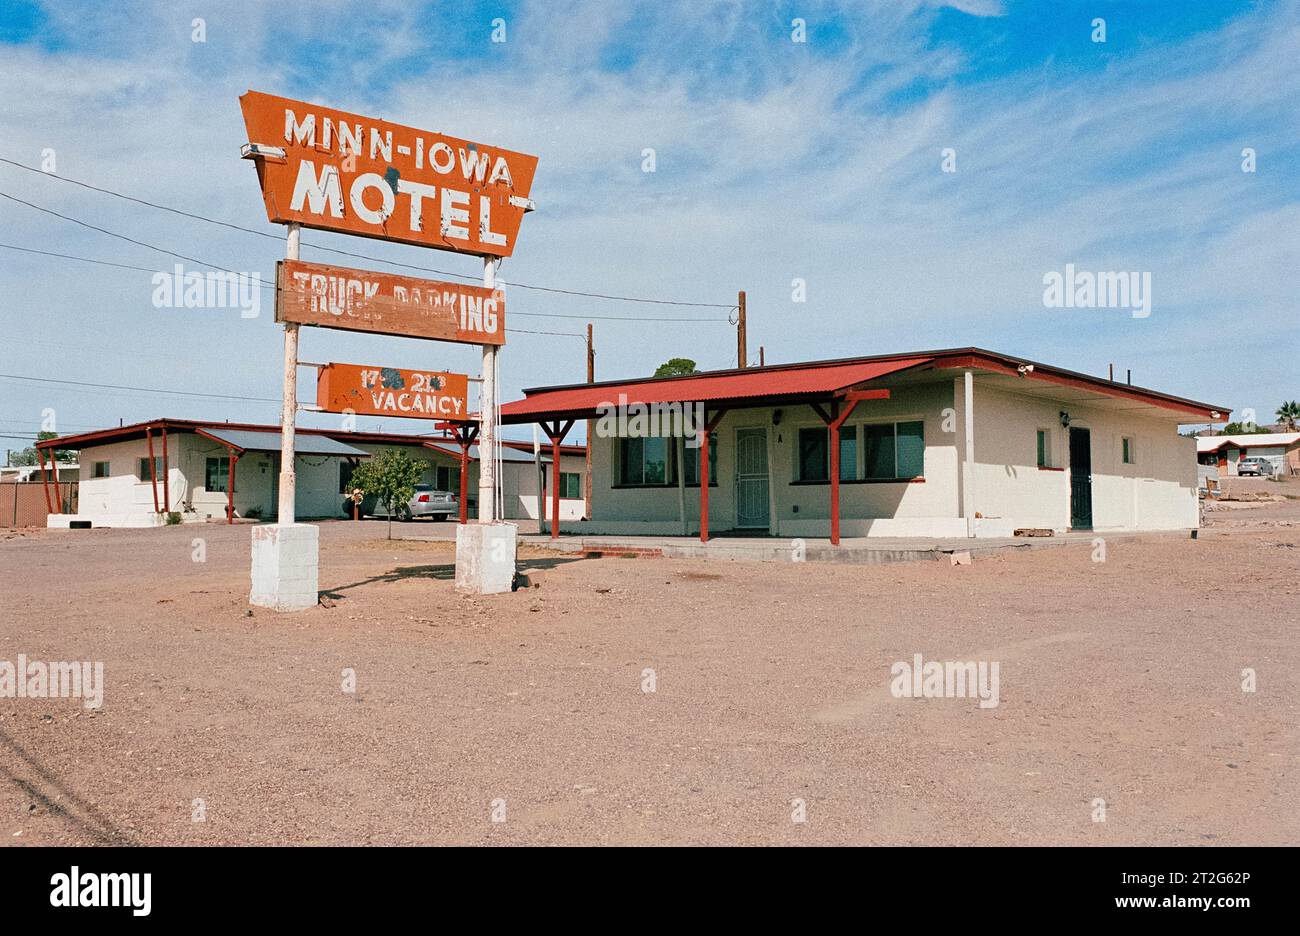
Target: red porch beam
{"x": 230, "y": 487}
{"x": 556, "y": 433}
{"x": 466, "y": 436}
{"x": 45, "y": 481}
{"x": 834, "y": 421}
{"x": 705, "y": 433}
{"x": 153, "y": 470}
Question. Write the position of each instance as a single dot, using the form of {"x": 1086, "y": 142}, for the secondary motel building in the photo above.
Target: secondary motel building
{"x": 950, "y": 443}
{"x": 193, "y": 461}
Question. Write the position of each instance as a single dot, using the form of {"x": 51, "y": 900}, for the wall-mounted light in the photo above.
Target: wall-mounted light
{"x": 1065, "y": 420}
{"x": 776, "y": 417}
{"x": 1025, "y": 369}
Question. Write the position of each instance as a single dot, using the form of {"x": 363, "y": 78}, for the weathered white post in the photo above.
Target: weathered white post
{"x": 286, "y": 554}
{"x": 485, "y": 551}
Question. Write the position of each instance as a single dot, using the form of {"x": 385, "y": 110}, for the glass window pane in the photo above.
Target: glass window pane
{"x": 656, "y": 460}
{"x": 848, "y": 453}
{"x": 632, "y": 470}
{"x": 1042, "y": 449}
{"x": 911, "y": 449}
{"x": 878, "y": 451}
{"x": 812, "y": 455}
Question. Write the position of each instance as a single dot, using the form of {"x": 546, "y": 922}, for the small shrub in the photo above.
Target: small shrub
{"x": 173, "y": 517}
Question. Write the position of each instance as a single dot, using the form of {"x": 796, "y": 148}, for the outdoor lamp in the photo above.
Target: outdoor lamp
{"x": 1065, "y": 420}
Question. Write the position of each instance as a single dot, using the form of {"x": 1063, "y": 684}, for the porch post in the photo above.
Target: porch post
{"x": 463, "y": 438}
{"x": 704, "y": 482}
{"x": 705, "y": 434}
{"x": 557, "y": 434}
{"x": 968, "y": 462}
{"x": 153, "y": 468}
{"x": 45, "y": 481}
{"x": 230, "y": 489}
{"x": 834, "y": 434}
{"x": 167, "y": 496}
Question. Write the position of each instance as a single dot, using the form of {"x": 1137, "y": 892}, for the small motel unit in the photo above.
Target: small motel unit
{"x": 939, "y": 444}
{"x": 134, "y": 475}
{"x": 1225, "y": 452}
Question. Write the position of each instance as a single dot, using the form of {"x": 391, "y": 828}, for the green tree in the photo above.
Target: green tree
{"x": 28, "y": 455}
{"x": 391, "y": 476}
{"x": 1242, "y": 428}
{"x": 676, "y": 367}
{"x": 1288, "y": 414}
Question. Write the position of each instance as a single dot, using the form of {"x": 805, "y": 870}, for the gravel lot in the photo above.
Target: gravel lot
{"x": 1119, "y": 680}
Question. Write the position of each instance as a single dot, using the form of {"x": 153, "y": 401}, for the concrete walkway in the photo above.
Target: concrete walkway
{"x": 862, "y": 550}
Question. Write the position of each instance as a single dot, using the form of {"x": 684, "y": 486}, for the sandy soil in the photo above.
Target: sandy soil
{"x": 1119, "y": 680}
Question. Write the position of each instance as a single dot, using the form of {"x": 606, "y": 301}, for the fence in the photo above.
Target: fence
{"x": 22, "y": 503}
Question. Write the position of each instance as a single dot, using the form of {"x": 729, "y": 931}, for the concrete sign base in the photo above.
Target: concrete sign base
{"x": 285, "y": 566}
{"x": 485, "y": 557}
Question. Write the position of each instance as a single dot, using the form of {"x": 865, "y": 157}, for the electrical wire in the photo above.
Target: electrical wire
{"x": 347, "y": 253}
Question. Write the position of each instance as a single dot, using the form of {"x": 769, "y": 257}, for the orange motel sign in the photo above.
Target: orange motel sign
{"x": 329, "y": 169}
{"x": 390, "y": 391}
{"x": 383, "y": 303}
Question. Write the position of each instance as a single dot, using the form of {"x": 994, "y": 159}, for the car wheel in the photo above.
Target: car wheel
{"x": 404, "y": 514}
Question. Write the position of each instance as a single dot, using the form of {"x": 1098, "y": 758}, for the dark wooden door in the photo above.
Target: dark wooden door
{"x": 1080, "y": 479}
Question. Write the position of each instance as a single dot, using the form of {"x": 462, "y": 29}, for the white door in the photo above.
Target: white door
{"x": 751, "y": 479}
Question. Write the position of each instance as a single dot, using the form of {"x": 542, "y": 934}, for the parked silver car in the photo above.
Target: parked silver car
{"x": 427, "y": 501}
{"x": 1255, "y": 465}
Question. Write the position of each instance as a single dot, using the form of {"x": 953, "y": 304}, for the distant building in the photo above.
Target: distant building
{"x": 193, "y": 461}
{"x": 1227, "y": 451}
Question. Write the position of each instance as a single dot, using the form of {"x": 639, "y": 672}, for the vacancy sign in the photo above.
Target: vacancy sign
{"x": 387, "y": 391}
{"x": 328, "y": 169}
{"x": 359, "y": 300}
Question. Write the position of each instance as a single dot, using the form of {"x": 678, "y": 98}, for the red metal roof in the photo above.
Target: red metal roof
{"x": 811, "y": 380}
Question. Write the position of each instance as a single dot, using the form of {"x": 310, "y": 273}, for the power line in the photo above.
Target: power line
{"x": 348, "y": 253}
{"x": 98, "y": 386}
{"x": 265, "y": 285}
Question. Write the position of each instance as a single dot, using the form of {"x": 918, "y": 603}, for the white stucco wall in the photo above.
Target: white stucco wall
{"x": 1156, "y": 493}
{"x": 1008, "y": 488}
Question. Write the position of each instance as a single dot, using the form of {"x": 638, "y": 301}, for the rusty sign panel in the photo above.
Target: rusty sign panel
{"x": 336, "y": 171}
{"x": 388, "y": 391}
{"x": 359, "y": 300}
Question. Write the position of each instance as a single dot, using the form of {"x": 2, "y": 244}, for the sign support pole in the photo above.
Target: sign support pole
{"x": 487, "y": 436}
{"x": 289, "y": 412}
{"x": 286, "y": 555}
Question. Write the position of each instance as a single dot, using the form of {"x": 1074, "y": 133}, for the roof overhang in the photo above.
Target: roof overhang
{"x": 785, "y": 384}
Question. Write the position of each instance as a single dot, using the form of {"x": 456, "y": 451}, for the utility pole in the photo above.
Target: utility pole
{"x": 591, "y": 424}
{"x": 762, "y": 362}
{"x": 740, "y": 332}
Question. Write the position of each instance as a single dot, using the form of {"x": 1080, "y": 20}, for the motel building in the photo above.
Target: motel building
{"x": 1225, "y": 452}
{"x": 936, "y": 444}
{"x": 193, "y": 462}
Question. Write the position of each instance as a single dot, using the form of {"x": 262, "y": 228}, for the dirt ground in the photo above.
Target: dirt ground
{"x": 1119, "y": 680}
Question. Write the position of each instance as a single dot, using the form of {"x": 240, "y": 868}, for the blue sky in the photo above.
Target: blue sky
{"x": 776, "y": 161}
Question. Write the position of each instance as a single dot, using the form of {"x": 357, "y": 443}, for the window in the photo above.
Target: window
{"x": 643, "y": 461}
{"x": 448, "y": 478}
{"x": 571, "y": 485}
{"x": 814, "y": 458}
{"x": 893, "y": 451}
{"x": 217, "y": 474}
{"x": 158, "y": 467}
{"x": 101, "y": 469}
{"x": 1044, "y": 448}
{"x": 345, "y": 476}
{"x": 691, "y": 461}
{"x": 1129, "y": 450}
{"x": 813, "y": 463}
